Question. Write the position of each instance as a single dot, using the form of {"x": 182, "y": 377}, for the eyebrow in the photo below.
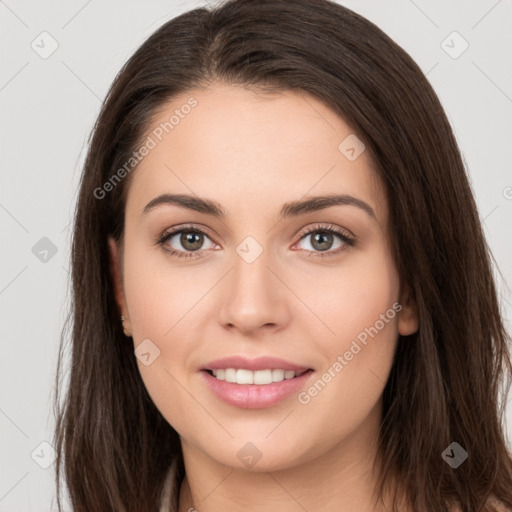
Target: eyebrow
{"x": 290, "y": 209}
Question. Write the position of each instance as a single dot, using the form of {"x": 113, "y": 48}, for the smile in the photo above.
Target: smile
{"x": 259, "y": 377}
{"x": 255, "y": 389}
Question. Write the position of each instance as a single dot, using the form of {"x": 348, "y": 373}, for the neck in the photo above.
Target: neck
{"x": 342, "y": 477}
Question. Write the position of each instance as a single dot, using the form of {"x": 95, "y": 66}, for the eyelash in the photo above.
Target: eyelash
{"x": 322, "y": 228}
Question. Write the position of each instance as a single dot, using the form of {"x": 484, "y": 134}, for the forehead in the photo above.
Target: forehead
{"x": 245, "y": 148}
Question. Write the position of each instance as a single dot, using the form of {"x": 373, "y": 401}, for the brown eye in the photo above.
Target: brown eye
{"x": 185, "y": 242}
{"x": 326, "y": 240}
{"x": 191, "y": 240}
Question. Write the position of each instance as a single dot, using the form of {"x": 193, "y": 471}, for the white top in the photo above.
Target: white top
{"x": 171, "y": 489}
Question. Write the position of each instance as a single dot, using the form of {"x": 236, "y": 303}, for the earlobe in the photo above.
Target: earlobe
{"x": 408, "y": 317}
{"x": 117, "y": 280}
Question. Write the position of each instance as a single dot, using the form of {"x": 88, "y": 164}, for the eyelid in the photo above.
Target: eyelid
{"x": 325, "y": 226}
{"x": 186, "y": 227}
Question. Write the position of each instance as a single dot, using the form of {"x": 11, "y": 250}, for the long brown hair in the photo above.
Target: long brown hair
{"x": 113, "y": 444}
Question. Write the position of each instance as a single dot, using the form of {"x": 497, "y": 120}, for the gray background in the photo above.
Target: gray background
{"x": 48, "y": 107}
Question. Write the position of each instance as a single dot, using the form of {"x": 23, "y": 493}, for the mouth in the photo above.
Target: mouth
{"x": 254, "y": 383}
{"x": 246, "y": 389}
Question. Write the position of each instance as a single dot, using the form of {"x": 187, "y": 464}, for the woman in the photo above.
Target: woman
{"x": 282, "y": 293}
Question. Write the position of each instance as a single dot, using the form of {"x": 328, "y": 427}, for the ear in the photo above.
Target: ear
{"x": 408, "y": 317}
{"x": 117, "y": 280}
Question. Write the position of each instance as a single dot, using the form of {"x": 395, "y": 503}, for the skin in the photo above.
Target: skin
{"x": 253, "y": 152}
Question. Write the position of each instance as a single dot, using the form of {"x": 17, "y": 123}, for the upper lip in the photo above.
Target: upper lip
{"x": 260, "y": 363}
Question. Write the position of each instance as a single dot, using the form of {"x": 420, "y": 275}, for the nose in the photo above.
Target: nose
{"x": 254, "y": 296}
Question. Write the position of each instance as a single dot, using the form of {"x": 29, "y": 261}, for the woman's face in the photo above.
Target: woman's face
{"x": 264, "y": 280}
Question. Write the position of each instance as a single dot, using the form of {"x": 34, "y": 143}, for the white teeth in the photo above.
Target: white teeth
{"x": 244, "y": 377}
{"x": 277, "y": 375}
{"x": 260, "y": 377}
{"x": 230, "y": 375}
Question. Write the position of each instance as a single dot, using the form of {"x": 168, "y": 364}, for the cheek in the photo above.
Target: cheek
{"x": 163, "y": 302}
{"x": 159, "y": 295}
{"x": 358, "y": 305}
{"x": 158, "y": 299}
{"x": 351, "y": 297}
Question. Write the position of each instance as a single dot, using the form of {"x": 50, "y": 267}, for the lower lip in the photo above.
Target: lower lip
{"x": 255, "y": 396}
